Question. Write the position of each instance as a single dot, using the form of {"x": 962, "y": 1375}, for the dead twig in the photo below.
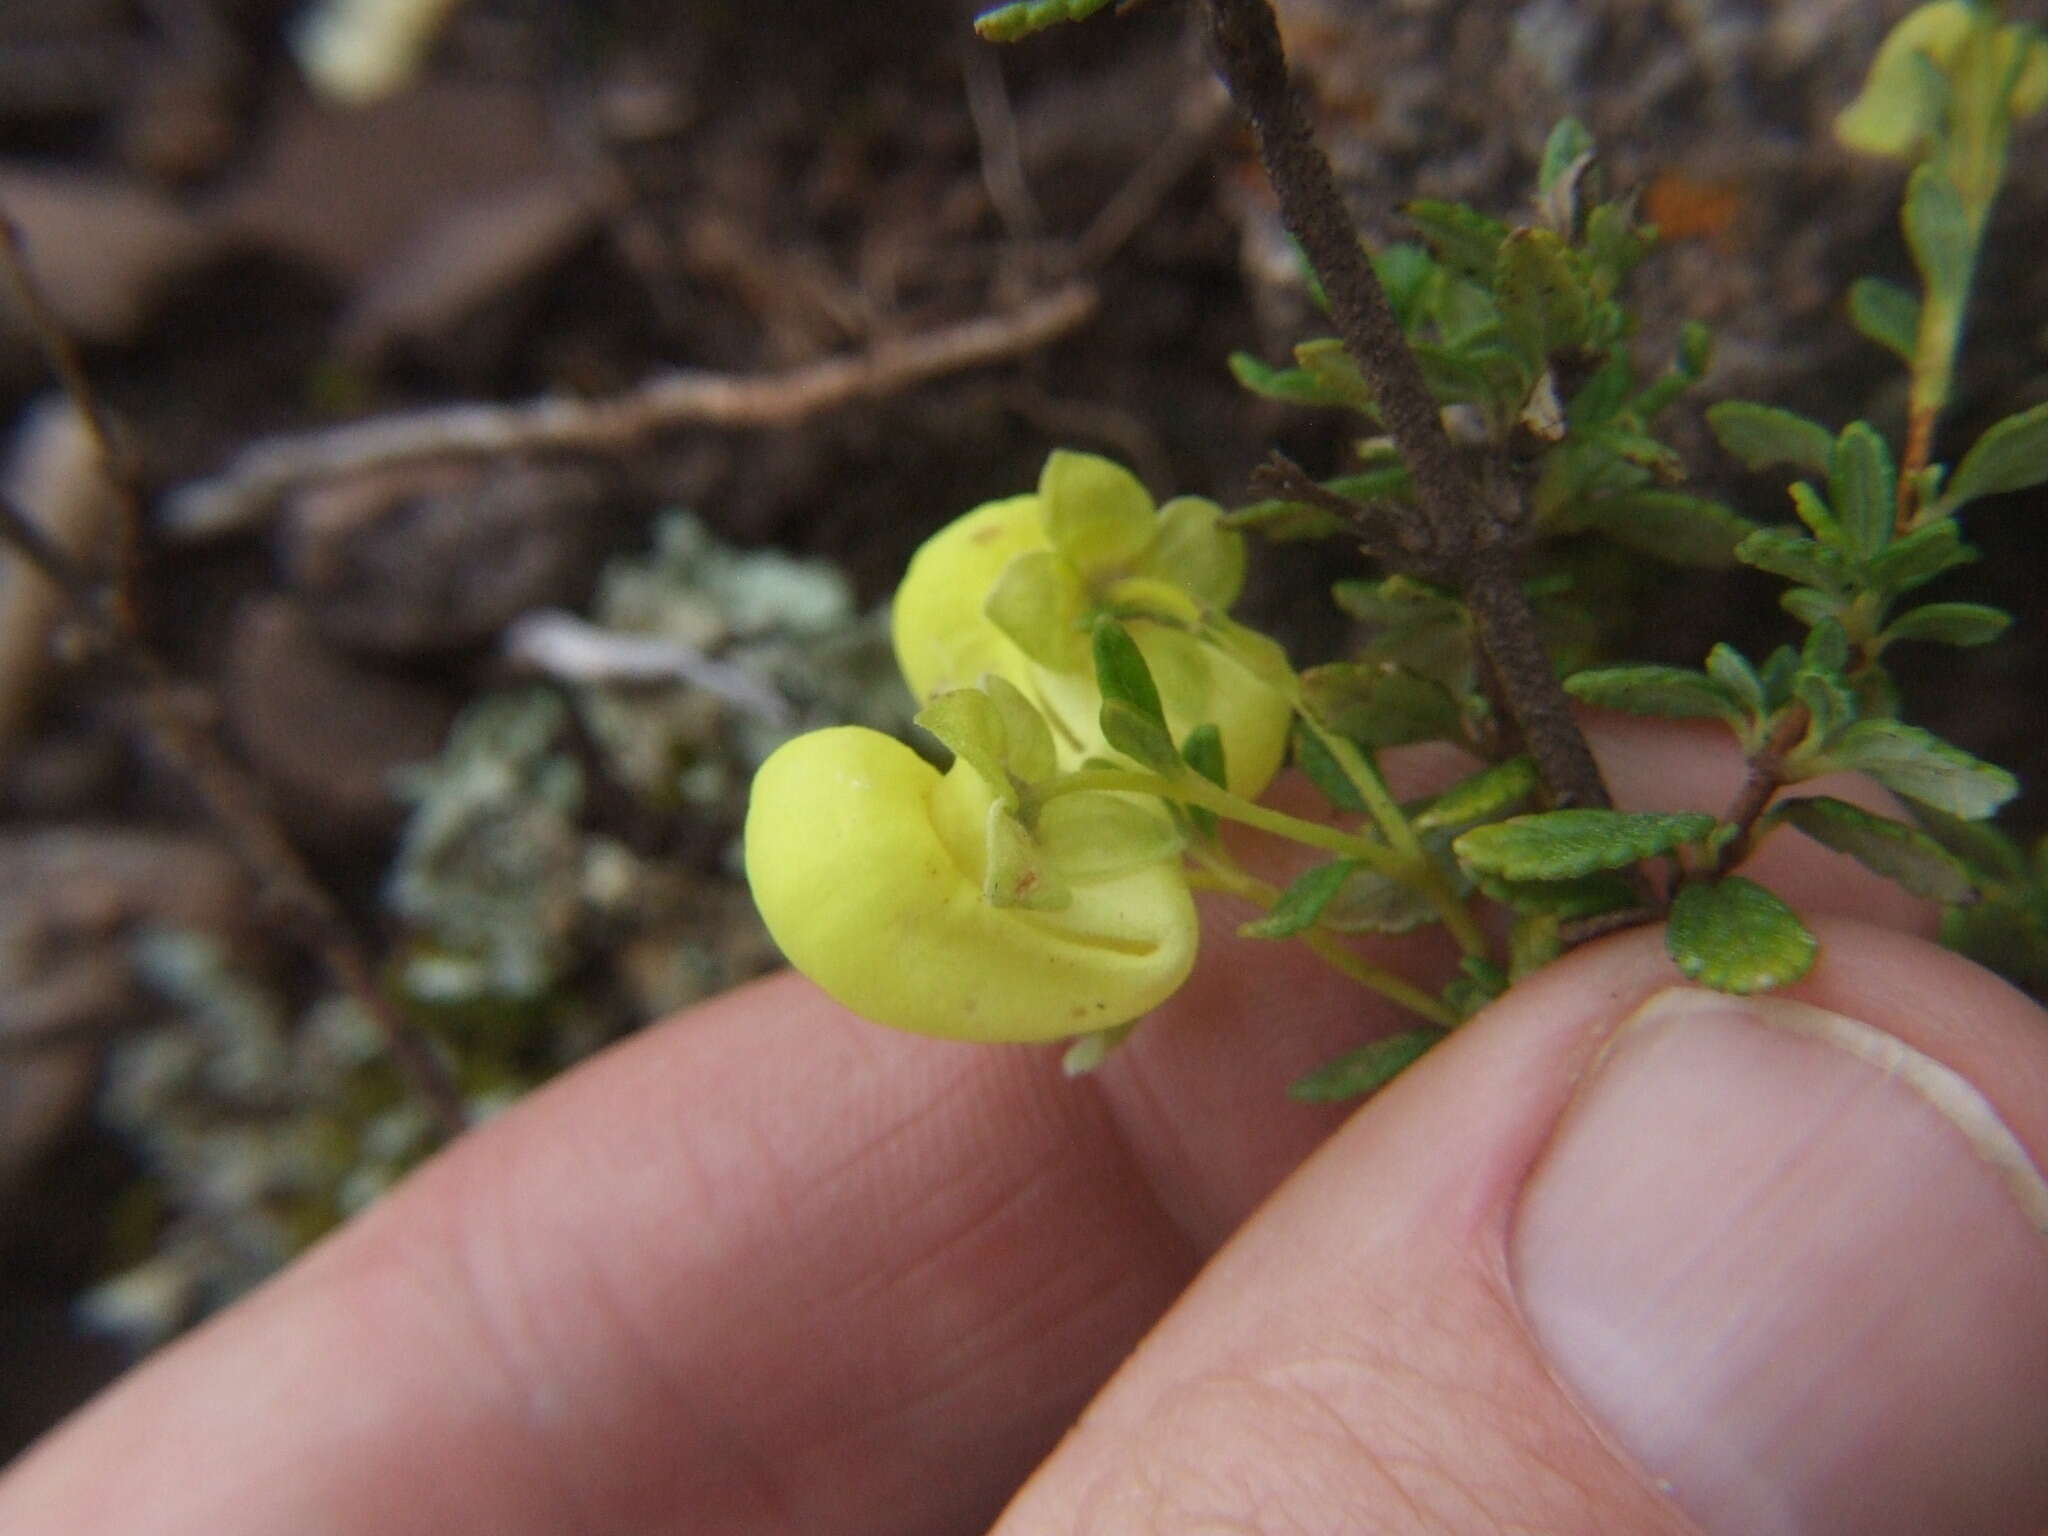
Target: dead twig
{"x": 108, "y": 612}
{"x": 264, "y": 471}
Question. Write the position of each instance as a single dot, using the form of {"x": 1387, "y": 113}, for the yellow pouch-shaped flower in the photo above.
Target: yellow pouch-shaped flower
{"x": 872, "y": 871}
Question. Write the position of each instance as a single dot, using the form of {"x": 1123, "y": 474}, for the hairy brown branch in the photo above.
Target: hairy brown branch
{"x": 265, "y": 470}
{"x": 1471, "y": 533}
{"x": 1765, "y": 777}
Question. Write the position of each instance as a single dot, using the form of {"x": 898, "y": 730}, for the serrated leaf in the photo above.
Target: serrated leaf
{"x": 1886, "y": 314}
{"x": 1462, "y": 239}
{"x": 1543, "y": 297}
{"x": 1938, "y": 232}
{"x": 1921, "y": 766}
{"x": 1919, "y": 557}
{"x": 2011, "y": 455}
{"x": 1731, "y": 669}
{"x": 1559, "y": 845}
{"x": 1890, "y": 848}
{"x": 1121, "y": 675}
{"x": 1794, "y": 557}
{"x": 1008, "y": 23}
{"x": 1675, "y": 693}
{"x": 1365, "y": 1070}
{"x": 1671, "y": 525}
{"x": 1763, "y": 435}
{"x": 1961, "y": 624}
{"x": 1584, "y": 896}
{"x": 1863, "y": 489}
{"x": 1481, "y": 796}
{"x": 1735, "y": 936}
{"x": 1302, "y": 902}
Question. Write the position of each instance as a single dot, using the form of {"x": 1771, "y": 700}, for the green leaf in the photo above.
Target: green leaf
{"x": 1949, "y": 623}
{"x": 1585, "y": 896}
{"x": 1921, "y": 766}
{"x": 1886, "y": 314}
{"x": 1863, "y": 489}
{"x": 1763, "y": 435}
{"x": 1314, "y": 760}
{"x": 1880, "y": 844}
{"x": 1302, "y": 902}
{"x": 1544, "y": 301}
{"x": 1826, "y": 648}
{"x": 1371, "y": 902}
{"x": 1818, "y": 516}
{"x": 1991, "y": 855}
{"x": 1007, "y": 23}
{"x": 2011, "y": 455}
{"x": 1794, "y": 557}
{"x": 1336, "y": 373}
{"x": 1291, "y": 386}
{"x": 1404, "y": 270}
{"x": 1381, "y": 704}
{"x": 1810, "y": 605}
{"x": 1919, "y": 557}
{"x": 1202, "y": 750}
{"x": 1478, "y": 983}
{"x": 1139, "y": 737}
{"x": 1463, "y": 239}
{"x": 1481, "y": 796}
{"x": 1938, "y": 233}
{"x": 1121, "y": 673}
{"x": 1286, "y": 521}
{"x": 1558, "y": 845}
{"x": 1675, "y": 693}
{"x": 1735, "y": 936}
{"x": 1569, "y": 142}
{"x": 1365, "y": 1070}
{"x": 1671, "y": 525}
{"x": 1728, "y": 667}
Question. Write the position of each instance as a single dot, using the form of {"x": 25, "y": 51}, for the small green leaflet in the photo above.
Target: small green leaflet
{"x": 1886, "y": 314}
{"x": 1302, "y": 902}
{"x": 1132, "y": 720}
{"x": 1485, "y": 794}
{"x": 1794, "y": 557}
{"x": 1366, "y": 1069}
{"x": 1202, "y": 750}
{"x": 1674, "y": 693}
{"x": 2011, "y": 455}
{"x": 1949, "y": 623}
{"x": 1007, "y": 23}
{"x": 1884, "y": 846}
{"x": 1764, "y": 435}
{"x": 1735, "y": 936}
{"x": 1921, "y": 766}
{"x": 1560, "y": 845}
{"x": 1863, "y": 489}
{"x": 1314, "y": 759}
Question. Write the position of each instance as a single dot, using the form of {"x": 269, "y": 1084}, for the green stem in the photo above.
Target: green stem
{"x": 1193, "y": 789}
{"x": 1218, "y": 873}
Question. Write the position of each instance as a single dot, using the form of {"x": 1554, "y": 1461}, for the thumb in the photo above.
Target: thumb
{"x": 1624, "y": 1255}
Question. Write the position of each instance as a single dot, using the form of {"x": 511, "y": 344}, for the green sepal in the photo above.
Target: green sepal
{"x": 1464, "y": 240}
{"x": 1192, "y": 548}
{"x": 1097, "y": 513}
{"x": 1302, "y": 903}
{"x": 1008, "y": 23}
{"x": 1887, "y": 314}
{"x": 1481, "y": 796}
{"x": 1899, "y": 852}
{"x": 1560, "y": 845}
{"x": 1921, "y": 766}
{"x": 2011, "y": 455}
{"x": 970, "y": 725}
{"x": 1365, "y": 1070}
{"x": 1963, "y": 624}
{"x": 1093, "y": 836}
{"x": 1038, "y": 604}
{"x": 1028, "y": 749}
{"x": 1763, "y": 435}
{"x": 1862, "y": 489}
{"x": 1673, "y": 693}
{"x": 1735, "y": 936}
{"x": 1016, "y": 871}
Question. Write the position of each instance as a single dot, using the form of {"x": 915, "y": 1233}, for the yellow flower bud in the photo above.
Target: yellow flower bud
{"x": 869, "y": 867}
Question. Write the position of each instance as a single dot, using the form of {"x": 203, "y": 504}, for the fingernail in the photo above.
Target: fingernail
{"x": 1798, "y": 1272}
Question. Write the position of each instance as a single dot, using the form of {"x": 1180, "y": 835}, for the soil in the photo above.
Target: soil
{"x": 570, "y": 198}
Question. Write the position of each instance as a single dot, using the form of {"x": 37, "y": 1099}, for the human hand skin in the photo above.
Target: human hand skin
{"x": 769, "y": 1268}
